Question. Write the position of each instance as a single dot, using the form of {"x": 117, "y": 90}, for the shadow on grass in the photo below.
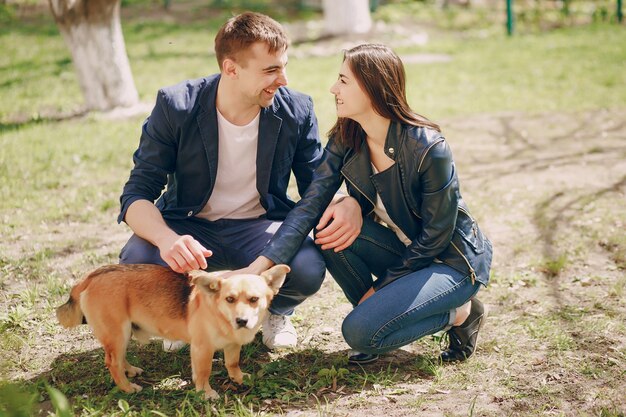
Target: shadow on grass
{"x": 554, "y": 212}
{"x": 40, "y": 68}
{"x": 151, "y": 30}
{"x": 40, "y": 25}
{"x": 152, "y": 56}
{"x": 84, "y": 379}
{"x": 23, "y": 122}
{"x": 277, "y": 380}
{"x": 521, "y": 146}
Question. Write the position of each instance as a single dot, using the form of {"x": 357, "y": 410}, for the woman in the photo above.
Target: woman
{"x": 418, "y": 240}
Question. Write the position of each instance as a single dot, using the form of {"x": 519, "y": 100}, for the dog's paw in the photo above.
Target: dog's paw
{"x": 133, "y": 371}
{"x": 211, "y": 394}
{"x": 135, "y": 388}
{"x": 237, "y": 376}
{"x": 240, "y": 378}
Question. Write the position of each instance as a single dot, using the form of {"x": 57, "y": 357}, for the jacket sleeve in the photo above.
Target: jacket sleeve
{"x": 154, "y": 159}
{"x": 308, "y": 152}
{"x": 438, "y": 187}
{"x": 303, "y": 217}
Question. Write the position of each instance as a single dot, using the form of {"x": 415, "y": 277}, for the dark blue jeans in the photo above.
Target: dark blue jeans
{"x": 235, "y": 244}
{"x": 420, "y": 303}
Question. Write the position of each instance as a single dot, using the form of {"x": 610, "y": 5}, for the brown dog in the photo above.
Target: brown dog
{"x": 204, "y": 309}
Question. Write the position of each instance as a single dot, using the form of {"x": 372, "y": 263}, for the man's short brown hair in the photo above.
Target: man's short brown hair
{"x": 241, "y": 31}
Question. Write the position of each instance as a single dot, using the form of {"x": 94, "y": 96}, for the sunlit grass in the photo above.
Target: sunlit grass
{"x": 59, "y": 175}
{"x": 532, "y": 72}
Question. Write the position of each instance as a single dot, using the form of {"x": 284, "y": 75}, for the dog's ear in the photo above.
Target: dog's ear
{"x": 208, "y": 281}
{"x": 275, "y": 276}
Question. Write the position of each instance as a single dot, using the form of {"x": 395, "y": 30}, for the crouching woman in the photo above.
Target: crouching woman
{"x": 418, "y": 259}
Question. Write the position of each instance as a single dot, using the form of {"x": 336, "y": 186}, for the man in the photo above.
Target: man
{"x": 223, "y": 148}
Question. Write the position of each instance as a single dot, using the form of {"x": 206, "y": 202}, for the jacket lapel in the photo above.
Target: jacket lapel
{"x": 269, "y": 129}
{"x": 207, "y": 125}
{"x": 358, "y": 171}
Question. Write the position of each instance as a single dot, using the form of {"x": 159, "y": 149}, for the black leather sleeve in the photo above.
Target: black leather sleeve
{"x": 304, "y": 216}
{"x": 309, "y": 150}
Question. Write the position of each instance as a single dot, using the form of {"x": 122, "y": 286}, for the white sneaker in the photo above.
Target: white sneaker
{"x": 278, "y": 332}
{"x": 173, "y": 345}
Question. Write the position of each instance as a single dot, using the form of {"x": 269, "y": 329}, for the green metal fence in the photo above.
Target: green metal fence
{"x": 566, "y": 8}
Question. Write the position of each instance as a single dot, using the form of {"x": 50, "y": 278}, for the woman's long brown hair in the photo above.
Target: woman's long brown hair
{"x": 380, "y": 73}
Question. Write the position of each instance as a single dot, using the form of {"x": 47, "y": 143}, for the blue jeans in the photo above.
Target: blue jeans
{"x": 420, "y": 303}
{"x": 235, "y": 244}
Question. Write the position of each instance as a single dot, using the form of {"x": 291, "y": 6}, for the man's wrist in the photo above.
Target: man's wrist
{"x": 341, "y": 198}
{"x": 165, "y": 237}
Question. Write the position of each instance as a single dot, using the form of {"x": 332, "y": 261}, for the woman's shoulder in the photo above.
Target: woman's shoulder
{"x": 426, "y": 145}
{"x": 422, "y": 138}
{"x": 424, "y": 134}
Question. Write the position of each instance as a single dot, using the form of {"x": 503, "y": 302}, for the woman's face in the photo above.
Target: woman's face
{"x": 350, "y": 100}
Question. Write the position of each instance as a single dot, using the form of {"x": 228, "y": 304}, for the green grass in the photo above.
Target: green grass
{"x": 78, "y": 160}
{"x": 60, "y": 178}
{"x": 291, "y": 378}
{"x": 533, "y": 73}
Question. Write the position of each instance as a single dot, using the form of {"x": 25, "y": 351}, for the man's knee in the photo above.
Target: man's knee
{"x": 140, "y": 251}
{"x": 307, "y": 272}
{"x": 308, "y": 277}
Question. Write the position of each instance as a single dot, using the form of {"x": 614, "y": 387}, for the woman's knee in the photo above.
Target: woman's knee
{"x": 328, "y": 254}
{"x": 357, "y": 334}
{"x": 340, "y": 263}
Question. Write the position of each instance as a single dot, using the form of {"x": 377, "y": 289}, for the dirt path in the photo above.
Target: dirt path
{"x": 546, "y": 188}
{"x": 550, "y": 192}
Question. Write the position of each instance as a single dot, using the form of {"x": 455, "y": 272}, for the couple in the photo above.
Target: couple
{"x": 223, "y": 148}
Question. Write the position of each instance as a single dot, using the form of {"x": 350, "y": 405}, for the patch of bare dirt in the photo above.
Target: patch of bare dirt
{"x": 545, "y": 187}
{"x": 555, "y": 341}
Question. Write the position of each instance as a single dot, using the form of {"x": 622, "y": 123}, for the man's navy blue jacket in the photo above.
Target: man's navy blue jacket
{"x": 178, "y": 150}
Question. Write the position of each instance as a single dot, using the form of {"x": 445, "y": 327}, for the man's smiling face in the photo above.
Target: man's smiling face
{"x": 260, "y": 74}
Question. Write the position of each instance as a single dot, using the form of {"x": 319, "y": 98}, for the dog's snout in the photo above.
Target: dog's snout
{"x": 241, "y": 322}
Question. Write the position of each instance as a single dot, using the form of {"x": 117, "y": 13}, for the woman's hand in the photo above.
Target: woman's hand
{"x": 367, "y": 295}
{"x": 259, "y": 265}
{"x": 340, "y": 225}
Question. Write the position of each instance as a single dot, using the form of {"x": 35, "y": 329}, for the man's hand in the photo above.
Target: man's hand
{"x": 260, "y": 264}
{"x": 345, "y": 226}
{"x": 183, "y": 253}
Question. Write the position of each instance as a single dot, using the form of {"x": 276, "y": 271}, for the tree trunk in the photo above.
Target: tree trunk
{"x": 346, "y": 16}
{"x": 93, "y": 33}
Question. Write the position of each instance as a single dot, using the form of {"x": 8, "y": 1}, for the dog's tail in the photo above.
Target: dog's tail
{"x": 70, "y": 314}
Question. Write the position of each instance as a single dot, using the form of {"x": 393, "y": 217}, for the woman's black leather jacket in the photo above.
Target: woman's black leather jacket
{"x": 420, "y": 192}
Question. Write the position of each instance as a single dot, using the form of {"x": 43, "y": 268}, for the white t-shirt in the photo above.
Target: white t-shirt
{"x": 235, "y": 195}
{"x": 381, "y": 212}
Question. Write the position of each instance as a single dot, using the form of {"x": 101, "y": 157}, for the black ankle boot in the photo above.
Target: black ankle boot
{"x": 463, "y": 338}
{"x": 358, "y": 358}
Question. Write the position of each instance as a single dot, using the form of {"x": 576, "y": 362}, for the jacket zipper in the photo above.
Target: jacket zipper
{"x": 420, "y": 167}
{"x": 466, "y": 212}
{"x": 426, "y": 152}
{"x": 474, "y": 226}
{"x": 472, "y": 272}
{"x": 362, "y": 193}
